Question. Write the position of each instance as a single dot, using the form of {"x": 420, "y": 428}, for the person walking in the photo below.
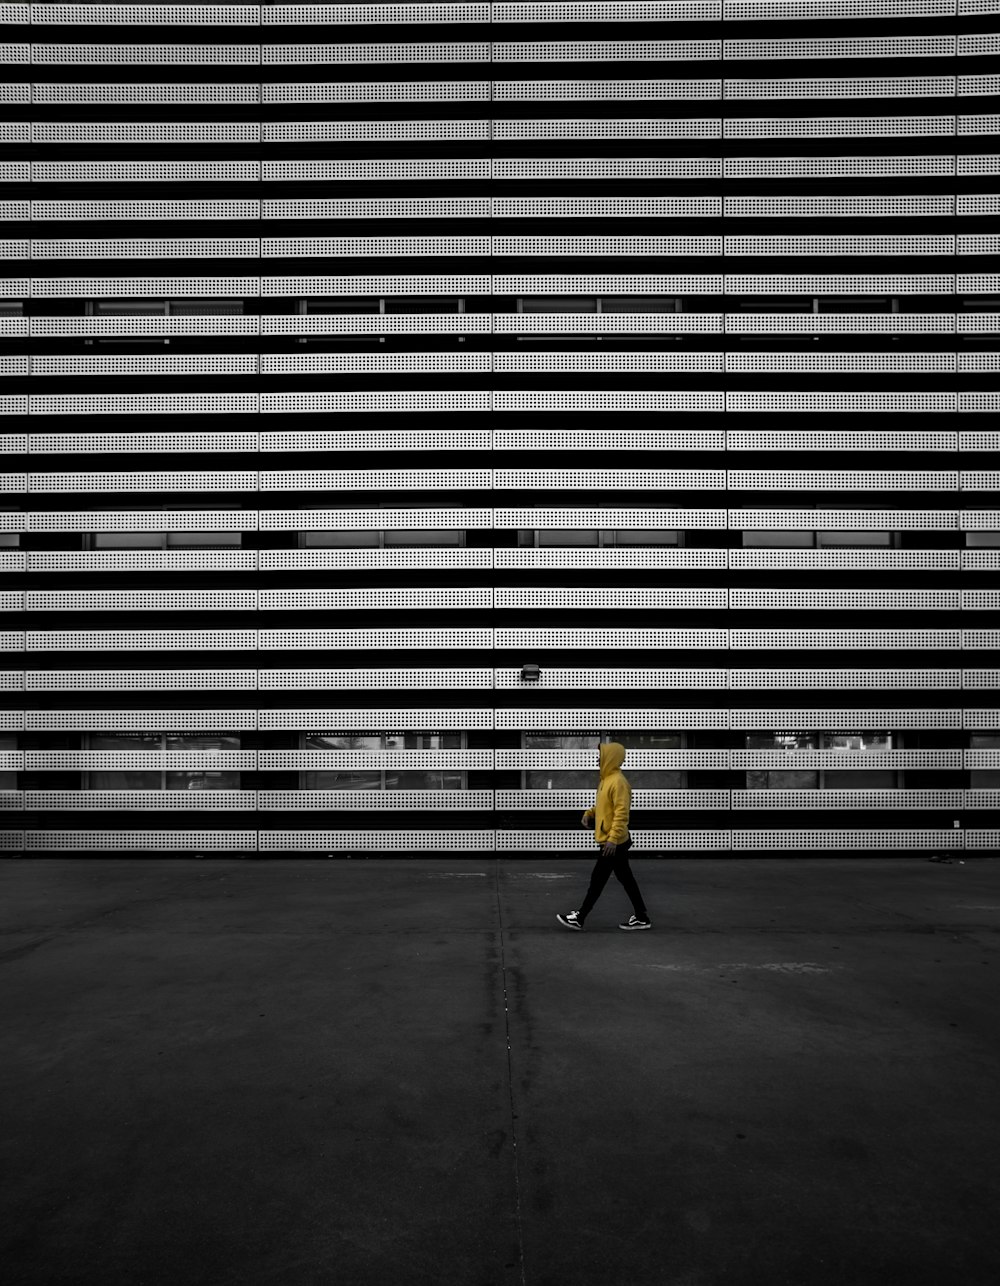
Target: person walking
{"x": 609, "y": 817}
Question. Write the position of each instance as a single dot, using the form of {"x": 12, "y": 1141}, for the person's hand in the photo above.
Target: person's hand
{"x": 609, "y": 850}
{"x": 585, "y": 821}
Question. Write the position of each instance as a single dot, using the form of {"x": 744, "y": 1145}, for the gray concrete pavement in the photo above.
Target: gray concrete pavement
{"x": 406, "y": 1073}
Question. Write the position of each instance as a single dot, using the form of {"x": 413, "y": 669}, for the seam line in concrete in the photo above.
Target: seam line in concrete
{"x": 510, "y": 1077}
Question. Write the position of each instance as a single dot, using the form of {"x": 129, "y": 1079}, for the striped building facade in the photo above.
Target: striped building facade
{"x": 400, "y": 399}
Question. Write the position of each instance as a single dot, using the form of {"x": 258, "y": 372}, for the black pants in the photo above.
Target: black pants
{"x": 623, "y": 874}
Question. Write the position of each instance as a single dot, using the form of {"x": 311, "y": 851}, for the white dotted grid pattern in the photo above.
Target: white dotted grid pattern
{"x": 849, "y": 840}
{"x": 375, "y": 719}
{"x": 846, "y": 559}
{"x": 846, "y": 639}
{"x": 141, "y": 801}
{"x": 852, "y": 799}
{"x": 185, "y": 841}
{"x": 521, "y": 841}
{"x": 374, "y": 841}
{"x": 332, "y": 801}
{"x": 551, "y": 800}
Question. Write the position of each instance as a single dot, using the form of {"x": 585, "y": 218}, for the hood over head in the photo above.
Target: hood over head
{"x": 612, "y": 756}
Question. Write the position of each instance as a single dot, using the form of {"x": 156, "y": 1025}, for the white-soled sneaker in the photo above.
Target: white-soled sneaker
{"x": 571, "y": 920}
{"x": 634, "y": 923}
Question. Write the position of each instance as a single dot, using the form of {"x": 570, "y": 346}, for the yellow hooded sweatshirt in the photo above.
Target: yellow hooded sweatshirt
{"x": 614, "y": 797}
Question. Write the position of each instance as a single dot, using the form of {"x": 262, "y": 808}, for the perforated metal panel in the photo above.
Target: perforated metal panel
{"x": 980, "y": 403}
{"x": 374, "y": 600}
{"x": 863, "y": 800}
{"x": 403, "y": 760}
{"x": 830, "y": 719}
{"x": 981, "y": 560}
{"x": 981, "y": 758}
{"x": 313, "y": 55}
{"x": 608, "y": 323}
{"x": 630, "y": 127}
{"x": 355, "y": 679}
{"x": 613, "y": 680}
{"x": 608, "y": 557}
{"x": 363, "y": 247}
{"x": 847, "y": 559}
{"x": 375, "y": 519}
{"x": 867, "y": 363}
{"x": 843, "y": 87}
{"x": 140, "y": 680}
{"x": 514, "y": 91}
{"x": 137, "y": 841}
{"x": 580, "y": 841}
{"x": 608, "y": 439}
{"x": 619, "y": 479}
{"x": 841, "y": 324}
{"x": 136, "y": 520}
{"x": 338, "y": 480}
{"x": 588, "y": 720}
{"x": 370, "y": 841}
{"x": 843, "y": 519}
{"x": 384, "y": 91}
{"x": 608, "y": 284}
{"x": 978, "y": 718}
{"x": 70, "y": 760}
{"x": 141, "y": 443}
{"x": 146, "y": 15}
{"x": 375, "y": 171}
{"x": 862, "y": 760}
{"x": 550, "y": 800}
{"x": 142, "y": 132}
{"x": 149, "y": 248}
{"x": 939, "y": 283}
{"x": 620, "y": 207}
{"x": 581, "y": 51}
{"x": 853, "y": 680}
{"x": 619, "y": 519}
{"x": 375, "y": 324}
{"x": 367, "y": 801}
{"x": 388, "y": 640}
{"x": 146, "y": 560}
{"x": 142, "y": 211}
{"x": 291, "y": 15}
{"x": 141, "y": 801}
{"x": 372, "y": 440}
{"x": 373, "y": 720}
{"x": 144, "y": 404}
{"x": 609, "y": 168}
{"x": 867, "y": 246}
{"x": 145, "y": 172}
{"x": 142, "y": 600}
{"x": 345, "y": 403}
{"x": 985, "y": 639}
{"x": 847, "y": 47}
{"x": 161, "y": 720}
{"x": 607, "y": 401}
{"x": 224, "y": 324}
{"x": 100, "y": 482}
{"x": 577, "y": 760}
{"x": 769, "y": 10}
{"x": 375, "y": 559}
{"x": 193, "y": 364}
{"x": 844, "y": 440}
{"x": 140, "y": 640}
{"x": 618, "y": 11}
{"x": 851, "y": 840}
{"x": 152, "y": 92}
{"x": 861, "y": 639}
{"x": 610, "y": 599}
{"x": 853, "y": 207}
{"x": 372, "y": 131}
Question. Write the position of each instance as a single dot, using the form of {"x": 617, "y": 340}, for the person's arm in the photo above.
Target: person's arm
{"x": 588, "y": 818}
{"x": 621, "y": 800}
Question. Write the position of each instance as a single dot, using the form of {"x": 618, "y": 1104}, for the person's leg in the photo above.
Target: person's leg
{"x": 598, "y": 878}
{"x": 624, "y": 876}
